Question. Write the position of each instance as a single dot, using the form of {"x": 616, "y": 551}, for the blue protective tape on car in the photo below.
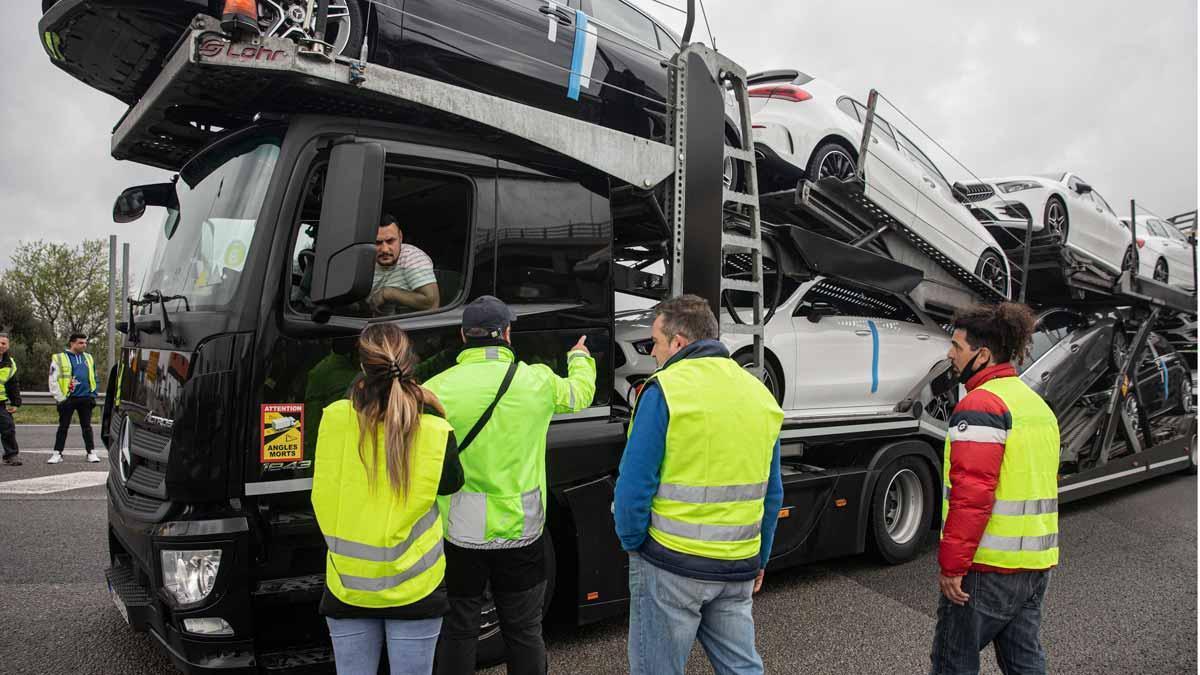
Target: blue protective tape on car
{"x": 1166, "y": 378}
{"x": 874, "y": 356}
{"x": 577, "y": 55}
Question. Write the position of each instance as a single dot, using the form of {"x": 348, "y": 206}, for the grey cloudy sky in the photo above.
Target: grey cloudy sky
{"x": 1106, "y": 89}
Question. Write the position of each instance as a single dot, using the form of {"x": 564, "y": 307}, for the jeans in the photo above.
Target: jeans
{"x": 83, "y": 406}
{"x": 358, "y": 643}
{"x": 667, "y": 612}
{"x": 1005, "y": 609}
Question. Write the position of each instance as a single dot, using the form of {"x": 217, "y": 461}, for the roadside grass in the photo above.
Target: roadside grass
{"x": 38, "y": 414}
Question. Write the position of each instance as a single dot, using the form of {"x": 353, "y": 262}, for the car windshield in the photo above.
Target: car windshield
{"x": 206, "y": 237}
{"x": 1051, "y": 176}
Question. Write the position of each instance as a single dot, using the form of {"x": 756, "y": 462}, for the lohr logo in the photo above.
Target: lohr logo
{"x": 214, "y": 47}
{"x": 962, "y": 426}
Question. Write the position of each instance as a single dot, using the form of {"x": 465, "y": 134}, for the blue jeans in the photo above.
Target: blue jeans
{"x": 1005, "y": 609}
{"x": 667, "y": 612}
{"x": 358, "y": 644}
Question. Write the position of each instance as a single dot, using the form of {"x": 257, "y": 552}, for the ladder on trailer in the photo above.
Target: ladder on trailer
{"x": 712, "y": 218}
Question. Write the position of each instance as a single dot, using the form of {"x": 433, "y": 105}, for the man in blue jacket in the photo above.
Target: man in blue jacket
{"x": 697, "y": 498}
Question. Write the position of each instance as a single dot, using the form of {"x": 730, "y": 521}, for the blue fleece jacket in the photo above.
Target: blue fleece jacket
{"x": 639, "y": 478}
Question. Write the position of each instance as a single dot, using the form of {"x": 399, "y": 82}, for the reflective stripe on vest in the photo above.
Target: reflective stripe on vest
{"x": 467, "y": 520}
{"x": 353, "y": 549}
{"x": 379, "y": 584}
{"x": 721, "y": 434}
{"x": 1022, "y": 531}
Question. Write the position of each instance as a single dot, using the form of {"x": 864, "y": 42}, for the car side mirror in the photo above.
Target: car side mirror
{"x": 815, "y": 312}
{"x": 1083, "y": 188}
{"x": 132, "y": 202}
{"x": 344, "y": 260}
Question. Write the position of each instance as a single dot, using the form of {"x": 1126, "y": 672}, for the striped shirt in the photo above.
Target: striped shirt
{"x": 412, "y": 270}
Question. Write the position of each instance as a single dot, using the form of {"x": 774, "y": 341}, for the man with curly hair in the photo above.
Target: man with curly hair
{"x": 1000, "y": 501}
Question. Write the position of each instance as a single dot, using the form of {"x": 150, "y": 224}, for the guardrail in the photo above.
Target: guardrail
{"x": 45, "y": 398}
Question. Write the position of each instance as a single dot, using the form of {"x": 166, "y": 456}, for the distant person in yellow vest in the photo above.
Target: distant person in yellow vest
{"x": 73, "y": 386}
{"x": 697, "y": 498}
{"x": 10, "y": 400}
{"x": 501, "y": 411}
{"x": 383, "y": 457}
{"x": 1000, "y": 501}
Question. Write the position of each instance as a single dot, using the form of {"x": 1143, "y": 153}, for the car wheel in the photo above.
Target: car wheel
{"x": 1129, "y": 260}
{"x": 771, "y": 377}
{"x": 1133, "y": 412}
{"x": 731, "y": 169}
{"x": 1055, "y": 218}
{"x": 344, "y": 29}
{"x": 1187, "y": 396}
{"x": 831, "y": 160}
{"x": 1161, "y": 273}
{"x": 900, "y": 514}
{"x": 992, "y": 270}
{"x": 490, "y": 650}
{"x": 1120, "y": 347}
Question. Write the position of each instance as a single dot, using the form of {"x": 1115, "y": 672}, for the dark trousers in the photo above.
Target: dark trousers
{"x": 1004, "y": 610}
{"x": 518, "y": 584}
{"x": 8, "y": 432}
{"x": 83, "y": 406}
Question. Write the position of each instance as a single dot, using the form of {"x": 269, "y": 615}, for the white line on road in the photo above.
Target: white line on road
{"x": 51, "y": 484}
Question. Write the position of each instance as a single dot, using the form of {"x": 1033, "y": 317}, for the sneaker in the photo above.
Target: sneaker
{"x": 93, "y": 457}
{"x": 55, "y": 458}
{"x": 12, "y": 461}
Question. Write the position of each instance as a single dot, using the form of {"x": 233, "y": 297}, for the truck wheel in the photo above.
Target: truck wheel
{"x": 900, "y": 506}
{"x": 490, "y": 650}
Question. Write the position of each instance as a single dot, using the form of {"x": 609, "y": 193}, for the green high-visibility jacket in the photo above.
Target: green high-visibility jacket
{"x": 503, "y": 501}
{"x": 7, "y": 373}
{"x": 384, "y": 550}
{"x": 1022, "y": 531}
{"x": 716, "y": 461}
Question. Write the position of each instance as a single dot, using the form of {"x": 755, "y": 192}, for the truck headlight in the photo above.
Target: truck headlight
{"x": 189, "y": 575}
{"x": 1017, "y": 186}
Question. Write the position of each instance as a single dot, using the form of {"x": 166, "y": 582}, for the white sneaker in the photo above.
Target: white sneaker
{"x": 93, "y": 457}
{"x": 55, "y": 458}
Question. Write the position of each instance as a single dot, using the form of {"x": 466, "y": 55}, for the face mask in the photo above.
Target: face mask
{"x": 972, "y": 369}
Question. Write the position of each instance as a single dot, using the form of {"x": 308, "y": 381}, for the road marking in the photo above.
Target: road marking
{"x": 68, "y": 452}
{"x": 50, "y": 484}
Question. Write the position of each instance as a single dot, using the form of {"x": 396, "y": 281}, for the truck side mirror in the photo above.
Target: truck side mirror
{"x": 132, "y": 202}
{"x": 344, "y": 263}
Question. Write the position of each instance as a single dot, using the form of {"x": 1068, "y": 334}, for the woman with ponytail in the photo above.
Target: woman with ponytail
{"x": 383, "y": 456}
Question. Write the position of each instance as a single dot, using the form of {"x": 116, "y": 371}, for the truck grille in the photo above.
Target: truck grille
{"x": 144, "y": 492}
{"x": 977, "y": 192}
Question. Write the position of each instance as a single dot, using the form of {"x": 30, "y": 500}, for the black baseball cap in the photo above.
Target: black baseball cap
{"x": 486, "y": 316}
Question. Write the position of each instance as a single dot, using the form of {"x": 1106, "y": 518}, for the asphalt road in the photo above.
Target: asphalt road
{"x": 1122, "y": 601}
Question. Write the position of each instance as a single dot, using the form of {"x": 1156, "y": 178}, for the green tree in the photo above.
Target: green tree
{"x": 66, "y": 289}
{"x": 32, "y": 341}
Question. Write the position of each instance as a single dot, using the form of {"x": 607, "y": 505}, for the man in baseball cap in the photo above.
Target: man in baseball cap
{"x": 500, "y": 410}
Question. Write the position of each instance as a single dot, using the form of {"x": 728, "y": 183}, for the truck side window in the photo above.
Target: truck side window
{"x": 421, "y": 253}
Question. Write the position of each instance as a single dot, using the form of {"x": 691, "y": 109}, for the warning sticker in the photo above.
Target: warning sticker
{"x": 282, "y": 432}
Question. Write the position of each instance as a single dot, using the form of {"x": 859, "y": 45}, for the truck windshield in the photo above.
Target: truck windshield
{"x": 206, "y": 237}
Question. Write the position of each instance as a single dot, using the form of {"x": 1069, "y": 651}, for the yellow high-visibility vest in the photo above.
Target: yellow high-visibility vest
{"x": 1022, "y": 532}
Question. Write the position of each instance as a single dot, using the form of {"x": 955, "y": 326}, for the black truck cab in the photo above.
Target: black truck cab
{"x": 219, "y": 393}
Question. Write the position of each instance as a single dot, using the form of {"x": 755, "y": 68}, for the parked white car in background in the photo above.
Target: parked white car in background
{"x": 1061, "y": 204}
{"x": 833, "y": 349}
{"x": 805, "y": 127}
{"x": 1164, "y": 253}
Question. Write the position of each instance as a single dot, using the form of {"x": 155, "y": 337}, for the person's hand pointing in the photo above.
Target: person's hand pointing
{"x": 580, "y": 346}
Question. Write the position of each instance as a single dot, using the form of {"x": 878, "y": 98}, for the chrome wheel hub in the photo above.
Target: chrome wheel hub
{"x": 902, "y": 506}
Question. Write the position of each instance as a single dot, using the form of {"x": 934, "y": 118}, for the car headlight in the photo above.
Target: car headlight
{"x": 644, "y": 347}
{"x": 1018, "y": 185}
{"x": 189, "y": 575}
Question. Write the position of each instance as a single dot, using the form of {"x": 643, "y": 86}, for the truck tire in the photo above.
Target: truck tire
{"x": 490, "y": 651}
{"x": 900, "y": 509}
